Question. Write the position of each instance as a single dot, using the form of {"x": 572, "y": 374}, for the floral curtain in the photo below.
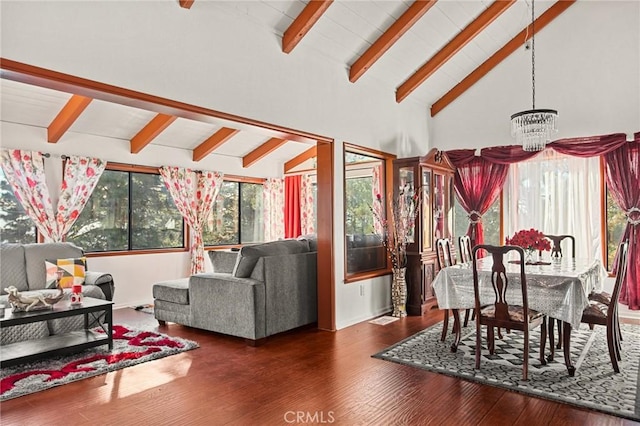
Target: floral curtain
{"x": 81, "y": 174}
{"x": 292, "y": 228}
{"x": 376, "y": 194}
{"x": 24, "y": 171}
{"x": 623, "y": 180}
{"x": 193, "y": 194}
{"x": 273, "y": 202}
{"x": 307, "y": 202}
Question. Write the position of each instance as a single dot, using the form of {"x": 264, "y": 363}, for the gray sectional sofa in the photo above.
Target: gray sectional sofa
{"x": 256, "y": 292}
{"x": 23, "y": 266}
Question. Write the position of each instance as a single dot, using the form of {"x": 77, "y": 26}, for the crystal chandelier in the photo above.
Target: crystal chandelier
{"x": 532, "y": 128}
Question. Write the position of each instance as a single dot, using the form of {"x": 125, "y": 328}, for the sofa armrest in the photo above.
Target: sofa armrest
{"x": 102, "y": 280}
{"x": 229, "y": 305}
{"x": 290, "y": 290}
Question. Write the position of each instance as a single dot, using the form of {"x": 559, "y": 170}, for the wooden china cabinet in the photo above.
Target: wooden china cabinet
{"x": 431, "y": 174}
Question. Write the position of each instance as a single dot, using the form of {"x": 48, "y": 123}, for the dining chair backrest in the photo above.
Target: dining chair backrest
{"x": 621, "y": 268}
{"x": 556, "y": 248}
{"x": 443, "y": 252}
{"x": 464, "y": 243}
{"x": 500, "y": 282}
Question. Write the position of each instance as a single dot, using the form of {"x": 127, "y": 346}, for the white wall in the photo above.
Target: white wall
{"x": 587, "y": 67}
{"x": 217, "y": 61}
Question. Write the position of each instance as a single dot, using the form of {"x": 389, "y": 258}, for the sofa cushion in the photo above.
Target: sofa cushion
{"x": 12, "y": 267}
{"x": 312, "y": 239}
{"x": 73, "y": 271}
{"x": 35, "y": 255}
{"x": 175, "y": 291}
{"x": 223, "y": 261}
{"x": 249, "y": 255}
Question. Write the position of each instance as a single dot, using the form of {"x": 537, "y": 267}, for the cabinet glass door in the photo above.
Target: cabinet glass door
{"x": 426, "y": 210}
{"x": 439, "y": 206}
{"x": 407, "y": 189}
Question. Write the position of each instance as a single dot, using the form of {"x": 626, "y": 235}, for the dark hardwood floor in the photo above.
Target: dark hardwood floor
{"x": 323, "y": 377}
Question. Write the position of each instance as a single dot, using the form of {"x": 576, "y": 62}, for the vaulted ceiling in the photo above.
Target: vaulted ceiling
{"x": 431, "y": 51}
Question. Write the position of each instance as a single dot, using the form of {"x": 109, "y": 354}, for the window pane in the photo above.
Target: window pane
{"x": 490, "y": 223}
{"x": 155, "y": 220}
{"x": 15, "y": 225}
{"x": 252, "y": 226}
{"x": 103, "y": 223}
{"x": 222, "y": 227}
{"x": 616, "y": 222}
{"x": 365, "y": 251}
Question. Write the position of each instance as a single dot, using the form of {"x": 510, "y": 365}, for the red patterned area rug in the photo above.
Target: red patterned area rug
{"x": 130, "y": 347}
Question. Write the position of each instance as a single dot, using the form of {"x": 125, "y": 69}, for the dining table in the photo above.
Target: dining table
{"x": 556, "y": 287}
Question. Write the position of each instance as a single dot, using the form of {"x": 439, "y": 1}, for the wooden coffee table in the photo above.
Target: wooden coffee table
{"x": 74, "y": 341}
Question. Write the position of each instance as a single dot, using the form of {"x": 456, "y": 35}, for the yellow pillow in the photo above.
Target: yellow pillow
{"x": 73, "y": 271}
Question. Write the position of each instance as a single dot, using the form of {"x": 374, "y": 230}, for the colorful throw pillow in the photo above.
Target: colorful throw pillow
{"x": 73, "y": 271}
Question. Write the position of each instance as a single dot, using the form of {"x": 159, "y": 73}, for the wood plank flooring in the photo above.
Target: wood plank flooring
{"x": 302, "y": 377}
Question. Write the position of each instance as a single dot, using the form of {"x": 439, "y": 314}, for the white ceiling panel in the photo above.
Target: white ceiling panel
{"x": 111, "y": 120}
{"x": 185, "y": 134}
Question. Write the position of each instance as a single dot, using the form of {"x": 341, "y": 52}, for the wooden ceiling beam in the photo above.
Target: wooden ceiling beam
{"x": 524, "y": 35}
{"x": 483, "y": 20}
{"x": 262, "y": 151}
{"x": 303, "y": 23}
{"x": 213, "y": 142}
{"x": 389, "y": 37}
{"x": 300, "y": 158}
{"x": 150, "y": 131}
{"x": 66, "y": 117}
{"x": 186, "y": 3}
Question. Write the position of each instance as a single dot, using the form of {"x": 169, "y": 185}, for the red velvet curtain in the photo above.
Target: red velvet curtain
{"x": 292, "y": 225}
{"x": 478, "y": 183}
{"x": 623, "y": 181}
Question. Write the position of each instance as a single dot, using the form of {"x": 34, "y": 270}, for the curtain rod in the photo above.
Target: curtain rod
{"x": 47, "y": 155}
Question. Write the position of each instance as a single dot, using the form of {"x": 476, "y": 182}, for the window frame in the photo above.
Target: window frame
{"x": 388, "y": 183}
{"x": 132, "y": 168}
{"x": 240, "y": 180}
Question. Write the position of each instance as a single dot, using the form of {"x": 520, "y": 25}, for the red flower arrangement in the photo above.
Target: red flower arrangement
{"x": 530, "y": 240}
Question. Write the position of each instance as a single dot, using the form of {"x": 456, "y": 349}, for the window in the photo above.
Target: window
{"x": 236, "y": 217}
{"x": 15, "y": 225}
{"x": 364, "y": 177}
{"x": 556, "y": 194}
{"x": 490, "y": 223}
{"x": 128, "y": 211}
{"x": 616, "y": 223}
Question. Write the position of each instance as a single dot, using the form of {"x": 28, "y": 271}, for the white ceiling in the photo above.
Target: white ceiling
{"x": 343, "y": 33}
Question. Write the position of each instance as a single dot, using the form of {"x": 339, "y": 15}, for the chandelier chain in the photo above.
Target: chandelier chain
{"x": 533, "y": 54}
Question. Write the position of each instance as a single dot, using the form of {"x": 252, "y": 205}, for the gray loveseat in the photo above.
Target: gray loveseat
{"x": 23, "y": 266}
{"x": 259, "y": 291}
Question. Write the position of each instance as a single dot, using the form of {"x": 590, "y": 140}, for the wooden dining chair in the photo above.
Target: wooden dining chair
{"x": 556, "y": 248}
{"x": 502, "y": 313}
{"x": 598, "y": 313}
{"x": 464, "y": 244}
{"x": 444, "y": 259}
{"x": 556, "y": 252}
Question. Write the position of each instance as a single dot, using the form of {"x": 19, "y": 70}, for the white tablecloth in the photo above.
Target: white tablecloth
{"x": 558, "y": 290}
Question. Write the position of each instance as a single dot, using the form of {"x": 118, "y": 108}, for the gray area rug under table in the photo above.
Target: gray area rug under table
{"x": 595, "y": 385}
